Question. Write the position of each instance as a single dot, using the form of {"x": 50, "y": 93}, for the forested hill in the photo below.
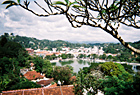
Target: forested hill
{"x": 34, "y": 43}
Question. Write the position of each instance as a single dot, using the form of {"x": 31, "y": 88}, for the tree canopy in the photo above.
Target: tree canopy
{"x": 110, "y": 14}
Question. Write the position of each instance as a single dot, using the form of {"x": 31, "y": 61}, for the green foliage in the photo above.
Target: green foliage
{"x": 89, "y": 82}
{"x": 66, "y": 62}
{"x": 128, "y": 68}
{"x": 103, "y": 56}
{"x": 38, "y": 61}
{"x": 94, "y": 66}
{"x": 12, "y": 82}
{"x": 114, "y": 85}
{"x": 138, "y": 59}
{"x": 64, "y": 56}
{"x": 10, "y": 49}
{"x": 33, "y": 43}
{"x": 5, "y": 66}
{"x": 79, "y": 85}
{"x": 12, "y": 58}
{"x": 67, "y": 3}
{"x": 136, "y": 83}
{"x": 59, "y": 2}
{"x": 51, "y": 57}
{"x": 70, "y": 55}
{"x": 77, "y": 6}
{"x": 110, "y": 68}
{"x": 47, "y": 69}
{"x": 4, "y": 80}
{"x": 62, "y": 74}
{"x": 3, "y": 41}
{"x": 82, "y": 56}
{"x": 109, "y": 57}
{"x": 18, "y": 1}
{"x": 94, "y": 56}
{"x": 26, "y": 84}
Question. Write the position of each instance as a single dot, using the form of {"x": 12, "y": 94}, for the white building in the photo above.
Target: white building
{"x": 101, "y": 52}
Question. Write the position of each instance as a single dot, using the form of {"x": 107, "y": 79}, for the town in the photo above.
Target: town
{"x": 66, "y": 50}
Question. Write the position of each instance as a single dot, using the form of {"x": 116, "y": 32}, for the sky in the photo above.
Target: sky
{"x": 21, "y": 22}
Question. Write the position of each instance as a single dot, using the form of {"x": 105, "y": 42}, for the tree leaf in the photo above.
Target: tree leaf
{"x": 77, "y": 6}
{"x": 72, "y": 3}
{"x": 18, "y": 1}
{"x": 8, "y": 2}
{"x": 60, "y": 3}
{"x": 67, "y": 1}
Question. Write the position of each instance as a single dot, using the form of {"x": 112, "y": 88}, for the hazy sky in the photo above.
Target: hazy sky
{"x": 21, "y": 22}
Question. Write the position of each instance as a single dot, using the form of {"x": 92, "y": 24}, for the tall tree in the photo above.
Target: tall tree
{"x": 3, "y": 41}
{"x": 111, "y": 14}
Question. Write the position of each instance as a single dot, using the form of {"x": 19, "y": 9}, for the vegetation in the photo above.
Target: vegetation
{"x": 123, "y": 54}
{"x": 109, "y": 78}
{"x": 34, "y": 43}
{"x": 12, "y": 58}
{"x": 63, "y": 74}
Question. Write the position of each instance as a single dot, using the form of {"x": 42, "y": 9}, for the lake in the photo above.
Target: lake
{"x": 78, "y": 63}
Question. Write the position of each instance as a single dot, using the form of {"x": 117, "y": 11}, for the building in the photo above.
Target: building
{"x": 30, "y": 51}
{"x": 33, "y": 75}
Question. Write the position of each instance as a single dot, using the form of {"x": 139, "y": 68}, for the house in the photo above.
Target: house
{"x": 24, "y": 71}
{"x": 39, "y": 79}
{"x": 45, "y": 83}
{"x": 30, "y": 51}
{"x": 33, "y": 75}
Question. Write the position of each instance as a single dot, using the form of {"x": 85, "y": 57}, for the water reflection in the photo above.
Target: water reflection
{"x": 66, "y": 62}
{"x": 81, "y": 62}
{"x": 54, "y": 63}
{"x": 76, "y": 64}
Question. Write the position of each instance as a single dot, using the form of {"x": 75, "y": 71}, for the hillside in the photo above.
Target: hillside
{"x": 28, "y": 42}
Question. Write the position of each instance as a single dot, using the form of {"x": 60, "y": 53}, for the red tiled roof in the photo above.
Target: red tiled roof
{"x": 43, "y": 52}
{"x": 45, "y": 82}
{"x": 66, "y": 90}
{"x": 32, "y": 75}
{"x": 73, "y": 78}
{"x": 49, "y": 54}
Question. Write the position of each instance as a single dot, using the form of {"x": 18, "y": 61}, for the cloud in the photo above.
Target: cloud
{"x": 21, "y": 22}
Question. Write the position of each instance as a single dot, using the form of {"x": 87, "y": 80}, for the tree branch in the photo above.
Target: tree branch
{"x": 125, "y": 12}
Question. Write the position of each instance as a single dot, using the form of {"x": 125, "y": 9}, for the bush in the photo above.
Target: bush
{"x": 48, "y": 69}
{"x": 110, "y": 68}
{"x": 62, "y": 74}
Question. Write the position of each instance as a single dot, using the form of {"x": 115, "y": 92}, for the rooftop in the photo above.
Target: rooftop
{"x": 32, "y": 75}
{"x": 66, "y": 90}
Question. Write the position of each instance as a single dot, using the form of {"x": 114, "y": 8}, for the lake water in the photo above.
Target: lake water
{"x": 77, "y": 64}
